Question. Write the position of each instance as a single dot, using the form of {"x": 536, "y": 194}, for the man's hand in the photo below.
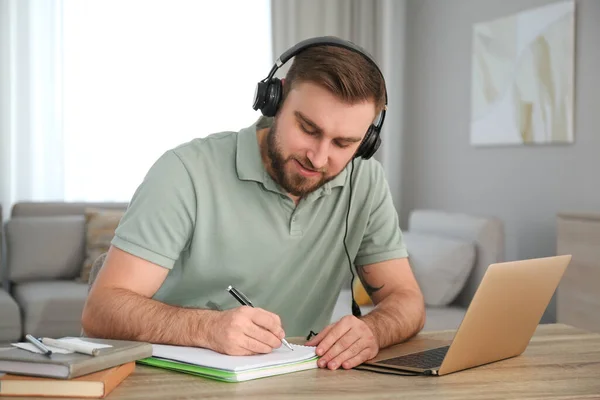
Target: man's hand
{"x": 346, "y": 343}
{"x": 245, "y": 331}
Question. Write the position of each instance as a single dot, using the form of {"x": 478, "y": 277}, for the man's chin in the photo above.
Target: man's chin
{"x": 299, "y": 185}
{"x": 303, "y": 190}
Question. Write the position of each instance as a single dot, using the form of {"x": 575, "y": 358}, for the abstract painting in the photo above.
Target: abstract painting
{"x": 523, "y": 77}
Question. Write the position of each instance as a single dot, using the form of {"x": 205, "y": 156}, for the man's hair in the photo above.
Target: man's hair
{"x": 345, "y": 73}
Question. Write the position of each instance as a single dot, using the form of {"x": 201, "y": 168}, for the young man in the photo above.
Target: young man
{"x": 277, "y": 210}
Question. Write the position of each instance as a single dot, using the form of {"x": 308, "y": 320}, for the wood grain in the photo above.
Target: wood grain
{"x": 578, "y": 294}
{"x": 561, "y": 362}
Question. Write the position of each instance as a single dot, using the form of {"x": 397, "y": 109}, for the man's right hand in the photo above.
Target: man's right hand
{"x": 245, "y": 331}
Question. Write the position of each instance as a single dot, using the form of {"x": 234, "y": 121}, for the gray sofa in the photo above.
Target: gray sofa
{"x": 45, "y": 249}
{"x": 449, "y": 253}
{"x": 10, "y": 317}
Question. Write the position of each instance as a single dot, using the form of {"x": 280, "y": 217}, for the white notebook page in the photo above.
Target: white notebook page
{"x": 212, "y": 359}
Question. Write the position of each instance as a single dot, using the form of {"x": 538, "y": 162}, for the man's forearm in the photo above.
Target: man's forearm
{"x": 397, "y": 318}
{"x": 125, "y": 315}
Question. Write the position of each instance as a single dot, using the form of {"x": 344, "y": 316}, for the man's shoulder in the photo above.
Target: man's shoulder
{"x": 368, "y": 172}
{"x": 219, "y": 143}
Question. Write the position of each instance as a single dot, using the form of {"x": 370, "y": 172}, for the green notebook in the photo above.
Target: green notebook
{"x": 210, "y": 364}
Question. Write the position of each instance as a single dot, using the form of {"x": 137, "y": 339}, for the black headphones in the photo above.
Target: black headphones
{"x": 267, "y": 96}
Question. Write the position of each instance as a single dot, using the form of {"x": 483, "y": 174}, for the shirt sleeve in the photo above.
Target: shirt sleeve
{"x": 160, "y": 219}
{"x": 382, "y": 239}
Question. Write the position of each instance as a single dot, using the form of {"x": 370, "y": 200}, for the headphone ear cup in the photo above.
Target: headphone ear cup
{"x": 370, "y": 143}
{"x": 272, "y": 98}
{"x": 260, "y": 94}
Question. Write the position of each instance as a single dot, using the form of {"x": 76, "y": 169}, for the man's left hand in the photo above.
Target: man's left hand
{"x": 346, "y": 343}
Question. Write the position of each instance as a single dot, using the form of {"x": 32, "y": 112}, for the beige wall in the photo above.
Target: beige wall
{"x": 525, "y": 186}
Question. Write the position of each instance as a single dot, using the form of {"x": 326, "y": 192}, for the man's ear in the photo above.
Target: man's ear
{"x": 284, "y": 89}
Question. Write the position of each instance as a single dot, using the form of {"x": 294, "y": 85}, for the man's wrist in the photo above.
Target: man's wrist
{"x": 371, "y": 321}
{"x": 199, "y": 328}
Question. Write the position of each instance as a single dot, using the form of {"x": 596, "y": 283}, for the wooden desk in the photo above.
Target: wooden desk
{"x": 560, "y": 362}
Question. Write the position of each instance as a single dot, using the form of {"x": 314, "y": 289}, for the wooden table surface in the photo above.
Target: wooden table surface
{"x": 561, "y": 362}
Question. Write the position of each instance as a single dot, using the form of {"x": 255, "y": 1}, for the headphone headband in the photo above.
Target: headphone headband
{"x": 268, "y": 92}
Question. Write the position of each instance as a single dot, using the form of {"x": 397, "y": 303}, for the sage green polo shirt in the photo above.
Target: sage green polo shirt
{"x": 210, "y": 213}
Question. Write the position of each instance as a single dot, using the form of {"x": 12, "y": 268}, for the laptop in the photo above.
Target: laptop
{"x": 498, "y": 324}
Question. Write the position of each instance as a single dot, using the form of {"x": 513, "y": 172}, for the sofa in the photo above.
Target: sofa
{"x": 45, "y": 249}
{"x": 10, "y": 317}
{"x": 46, "y": 242}
{"x": 449, "y": 254}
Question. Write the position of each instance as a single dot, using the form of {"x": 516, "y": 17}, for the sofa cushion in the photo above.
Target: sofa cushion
{"x": 441, "y": 265}
{"x": 100, "y": 226}
{"x": 10, "y": 318}
{"x": 51, "y": 308}
{"x": 45, "y": 247}
{"x": 486, "y": 232}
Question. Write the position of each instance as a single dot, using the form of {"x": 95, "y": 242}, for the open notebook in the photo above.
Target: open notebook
{"x": 210, "y": 364}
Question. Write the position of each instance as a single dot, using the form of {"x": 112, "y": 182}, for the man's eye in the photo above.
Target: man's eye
{"x": 307, "y": 129}
{"x": 340, "y": 144}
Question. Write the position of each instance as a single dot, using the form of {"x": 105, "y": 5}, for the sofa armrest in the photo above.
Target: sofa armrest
{"x": 3, "y": 269}
{"x": 487, "y": 233}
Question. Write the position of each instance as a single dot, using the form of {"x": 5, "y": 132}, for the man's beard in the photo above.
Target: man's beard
{"x": 292, "y": 183}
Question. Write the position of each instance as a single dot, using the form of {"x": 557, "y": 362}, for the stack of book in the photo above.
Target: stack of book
{"x": 25, "y": 371}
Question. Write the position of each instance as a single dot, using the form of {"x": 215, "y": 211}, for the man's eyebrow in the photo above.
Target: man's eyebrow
{"x": 318, "y": 129}
{"x": 349, "y": 139}
{"x": 307, "y": 121}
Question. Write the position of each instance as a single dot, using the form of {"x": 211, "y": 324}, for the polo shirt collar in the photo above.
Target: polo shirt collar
{"x": 339, "y": 180}
{"x": 249, "y": 163}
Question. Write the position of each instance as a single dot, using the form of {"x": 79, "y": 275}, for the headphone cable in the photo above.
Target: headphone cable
{"x": 355, "y": 308}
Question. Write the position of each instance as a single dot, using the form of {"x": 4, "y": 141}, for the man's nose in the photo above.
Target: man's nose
{"x": 319, "y": 154}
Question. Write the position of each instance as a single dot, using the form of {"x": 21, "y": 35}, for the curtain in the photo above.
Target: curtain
{"x": 376, "y": 25}
{"x": 30, "y": 124}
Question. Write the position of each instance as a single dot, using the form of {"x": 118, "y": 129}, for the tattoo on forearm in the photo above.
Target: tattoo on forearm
{"x": 362, "y": 274}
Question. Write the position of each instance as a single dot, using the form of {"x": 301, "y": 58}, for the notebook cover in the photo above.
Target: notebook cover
{"x": 96, "y": 385}
{"x": 67, "y": 366}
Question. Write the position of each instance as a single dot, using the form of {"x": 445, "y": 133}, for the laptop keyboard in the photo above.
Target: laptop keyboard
{"x": 425, "y": 359}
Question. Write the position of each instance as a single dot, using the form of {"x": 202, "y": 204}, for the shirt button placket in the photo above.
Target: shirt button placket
{"x": 295, "y": 226}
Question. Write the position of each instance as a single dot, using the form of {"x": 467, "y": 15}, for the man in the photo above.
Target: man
{"x": 277, "y": 210}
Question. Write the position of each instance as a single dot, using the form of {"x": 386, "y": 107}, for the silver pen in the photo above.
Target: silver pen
{"x": 38, "y": 344}
{"x": 243, "y": 300}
